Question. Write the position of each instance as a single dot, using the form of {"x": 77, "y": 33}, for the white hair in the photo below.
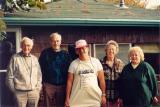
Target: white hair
{"x": 137, "y": 49}
{"x": 24, "y": 39}
{"x": 112, "y": 42}
{"x": 53, "y": 35}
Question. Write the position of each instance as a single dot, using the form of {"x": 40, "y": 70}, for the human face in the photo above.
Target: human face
{"x": 26, "y": 47}
{"x": 135, "y": 57}
{"x": 111, "y": 51}
{"x": 55, "y": 42}
{"x": 82, "y": 51}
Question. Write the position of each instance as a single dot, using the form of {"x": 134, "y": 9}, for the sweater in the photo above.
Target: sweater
{"x": 54, "y": 66}
{"x": 138, "y": 86}
{"x": 22, "y": 75}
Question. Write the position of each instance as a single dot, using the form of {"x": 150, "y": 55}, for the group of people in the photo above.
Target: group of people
{"x": 82, "y": 82}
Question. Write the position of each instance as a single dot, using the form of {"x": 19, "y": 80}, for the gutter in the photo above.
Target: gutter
{"x": 79, "y": 22}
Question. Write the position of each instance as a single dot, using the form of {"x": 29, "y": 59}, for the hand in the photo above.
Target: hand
{"x": 66, "y": 104}
{"x": 120, "y": 101}
{"x": 155, "y": 100}
{"x": 103, "y": 101}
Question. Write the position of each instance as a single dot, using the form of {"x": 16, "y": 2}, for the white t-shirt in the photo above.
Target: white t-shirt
{"x": 85, "y": 90}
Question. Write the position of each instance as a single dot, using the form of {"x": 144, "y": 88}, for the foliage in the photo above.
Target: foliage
{"x": 2, "y": 30}
{"x": 25, "y": 4}
{"x": 2, "y": 25}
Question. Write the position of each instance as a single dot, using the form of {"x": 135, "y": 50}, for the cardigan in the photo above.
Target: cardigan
{"x": 138, "y": 86}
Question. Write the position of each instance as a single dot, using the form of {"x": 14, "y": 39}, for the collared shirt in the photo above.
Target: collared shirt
{"x": 27, "y": 60}
{"x": 111, "y": 77}
{"x": 22, "y": 54}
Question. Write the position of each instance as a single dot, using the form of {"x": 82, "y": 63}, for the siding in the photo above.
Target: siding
{"x": 92, "y": 34}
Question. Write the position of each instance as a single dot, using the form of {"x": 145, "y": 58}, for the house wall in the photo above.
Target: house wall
{"x": 70, "y": 34}
{"x": 92, "y": 34}
{"x": 98, "y": 35}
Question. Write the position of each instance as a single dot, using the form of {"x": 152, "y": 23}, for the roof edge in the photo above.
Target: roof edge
{"x": 79, "y": 22}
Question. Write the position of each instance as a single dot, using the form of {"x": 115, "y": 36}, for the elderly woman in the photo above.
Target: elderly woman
{"x": 138, "y": 84}
{"x": 112, "y": 67}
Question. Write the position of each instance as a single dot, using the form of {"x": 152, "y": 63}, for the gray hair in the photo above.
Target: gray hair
{"x": 55, "y": 34}
{"x": 137, "y": 49}
{"x": 112, "y": 42}
{"x": 27, "y": 39}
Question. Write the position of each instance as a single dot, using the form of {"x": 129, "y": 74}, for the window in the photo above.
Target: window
{"x": 123, "y": 51}
{"x": 152, "y": 55}
{"x": 9, "y": 46}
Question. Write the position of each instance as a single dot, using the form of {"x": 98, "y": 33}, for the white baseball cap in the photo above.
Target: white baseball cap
{"x": 80, "y": 43}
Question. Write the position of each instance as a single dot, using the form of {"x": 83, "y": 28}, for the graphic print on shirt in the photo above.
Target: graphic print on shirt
{"x": 87, "y": 75}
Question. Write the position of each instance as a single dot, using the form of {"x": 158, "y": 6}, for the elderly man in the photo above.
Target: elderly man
{"x": 24, "y": 76}
{"x": 54, "y": 64}
{"x": 83, "y": 76}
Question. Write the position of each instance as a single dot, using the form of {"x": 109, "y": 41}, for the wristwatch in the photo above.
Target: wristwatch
{"x": 103, "y": 94}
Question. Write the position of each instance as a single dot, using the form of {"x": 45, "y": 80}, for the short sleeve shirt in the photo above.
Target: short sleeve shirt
{"x": 85, "y": 84}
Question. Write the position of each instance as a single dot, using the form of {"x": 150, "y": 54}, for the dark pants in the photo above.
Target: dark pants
{"x": 54, "y": 95}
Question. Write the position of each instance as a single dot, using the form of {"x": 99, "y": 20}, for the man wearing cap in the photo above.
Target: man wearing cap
{"x": 54, "y": 64}
{"x": 83, "y": 76}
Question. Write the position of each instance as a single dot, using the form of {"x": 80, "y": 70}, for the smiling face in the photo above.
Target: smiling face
{"x": 111, "y": 51}
{"x": 82, "y": 51}
{"x": 55, "y": 41}
{"x": 135, "y": 57}
{"x": 26, "y": 46}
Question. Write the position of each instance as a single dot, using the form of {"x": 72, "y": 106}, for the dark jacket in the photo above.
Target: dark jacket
{"x": 54, "y": 66}
{"x": 138, "y": 86}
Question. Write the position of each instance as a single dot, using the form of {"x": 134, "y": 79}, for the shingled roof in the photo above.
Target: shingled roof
{"x": 84, "y": 10}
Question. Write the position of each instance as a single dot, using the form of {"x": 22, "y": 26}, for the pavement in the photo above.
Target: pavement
{"x": 90, "y": 9}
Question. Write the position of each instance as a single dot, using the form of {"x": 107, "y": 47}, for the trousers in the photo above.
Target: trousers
{"x": 54, "y": 95}
{"x": 27, "y": 98}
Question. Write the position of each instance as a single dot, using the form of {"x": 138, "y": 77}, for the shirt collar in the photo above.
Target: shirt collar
{"x": 21, "y": 53}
